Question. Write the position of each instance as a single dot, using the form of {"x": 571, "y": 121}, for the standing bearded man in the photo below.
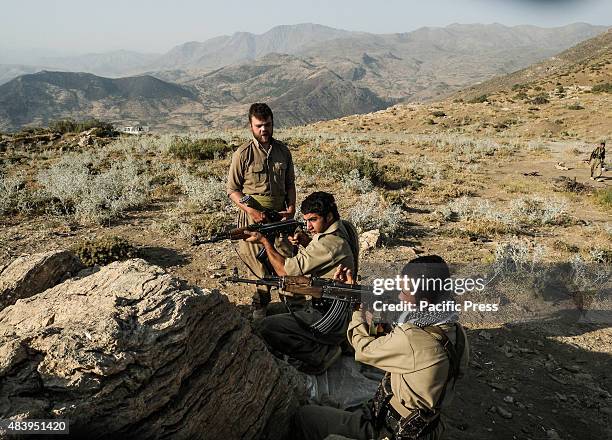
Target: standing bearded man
{"x": 263, "y": 169}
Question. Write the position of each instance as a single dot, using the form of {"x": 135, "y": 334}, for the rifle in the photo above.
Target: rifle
{"x": 251, "y": 202}
{"x": 270, "y": 230}
{"x": 318, "y": 288}
{"x": 303, "y": 285}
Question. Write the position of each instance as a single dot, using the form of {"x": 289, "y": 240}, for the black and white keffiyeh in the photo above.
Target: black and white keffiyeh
{"x": 427, "y": 318}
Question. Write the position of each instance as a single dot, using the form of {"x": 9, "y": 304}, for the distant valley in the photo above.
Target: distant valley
{"x": 306, "y": 72}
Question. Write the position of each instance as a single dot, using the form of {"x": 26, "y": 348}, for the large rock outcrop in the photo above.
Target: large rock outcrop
{"x": 31, "y": 274}
{"x": 129, "y": 351}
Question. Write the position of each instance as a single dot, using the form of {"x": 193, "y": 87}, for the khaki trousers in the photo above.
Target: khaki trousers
{"x": 248, "y": 253}
{"x": 596, "y": 168}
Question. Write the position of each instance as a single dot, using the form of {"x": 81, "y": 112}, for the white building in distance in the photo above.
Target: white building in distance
{"x": 134, "y": 129}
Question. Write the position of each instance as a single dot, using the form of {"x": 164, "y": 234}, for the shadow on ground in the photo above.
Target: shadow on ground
{"x": 163, "y": 257}
{"x": 524, "y": 383}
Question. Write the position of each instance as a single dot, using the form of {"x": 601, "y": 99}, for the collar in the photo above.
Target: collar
{"x": 258, "y": 145}
{"x": 330, "y": 230}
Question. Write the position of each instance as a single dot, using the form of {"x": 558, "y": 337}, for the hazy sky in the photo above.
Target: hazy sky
{"x": 81, "y": 26}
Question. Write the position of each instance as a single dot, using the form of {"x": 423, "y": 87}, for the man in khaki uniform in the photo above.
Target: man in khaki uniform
{"x": 312, "y": 334}
{"x": 263, "y": 169}
{"x": 597, "y": 160}
{"x": 417, "y": 369}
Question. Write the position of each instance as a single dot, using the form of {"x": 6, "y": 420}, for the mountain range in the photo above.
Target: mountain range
{"x": 306, "y": 72}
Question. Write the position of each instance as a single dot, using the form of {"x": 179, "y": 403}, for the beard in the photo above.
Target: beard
{"x": 265, "y": 139}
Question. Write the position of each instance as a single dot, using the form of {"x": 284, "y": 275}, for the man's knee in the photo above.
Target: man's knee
{"x": 271, "y": 329}
{"x": 306, "y": 420}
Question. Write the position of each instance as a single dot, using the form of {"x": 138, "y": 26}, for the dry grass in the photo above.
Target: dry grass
{"x": 440, "y": 186}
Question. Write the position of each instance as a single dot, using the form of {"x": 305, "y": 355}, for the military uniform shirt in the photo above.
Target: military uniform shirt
{"x": 323, "y": 254}
{"x": 599, "y": 153}
{"x": 417, "y": 362}
{"x": 258, "y": 172}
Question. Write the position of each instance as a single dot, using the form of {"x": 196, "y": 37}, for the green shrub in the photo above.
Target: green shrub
{"x": 371, "y": 211}
{"x": 604, "y": 197}
{"x": 77, "y": 186}
{"x": 367, "y": 168}
{"x": 540, "y": 99}
{"x": 539, "y": 211}
{"x": 105, "y": 250}
{"x": 354, "y": 182}
{"x": 602, "y": 88}
{"x": 521, "y": 95}
{"x": 204, "y": 194}
{"x": 338, "y": 168}
{"x": 209, "y": 223}
{"x": 71, "y": 126}
{"x": 12, "y": 193}
{"x": 198, "y": 149}
{"x": 478, "y": 99}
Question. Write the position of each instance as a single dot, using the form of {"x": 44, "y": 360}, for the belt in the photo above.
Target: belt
{"x": 393, "y": 422}
{"x": 270, "y": 202}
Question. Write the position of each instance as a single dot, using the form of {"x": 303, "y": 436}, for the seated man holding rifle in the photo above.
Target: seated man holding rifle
{"x": 423, "y": 356}
{"x": 312, "y": 334}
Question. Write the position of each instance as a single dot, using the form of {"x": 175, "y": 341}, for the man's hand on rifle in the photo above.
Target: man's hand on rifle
{"x": 344, "y": 275}
{"x": 254, "y": 237}
{"x": 299, "y": 238}
{"x": 288, "y": 213}
{"x": 257, "y": 216}
{"x": 276, "y": 260}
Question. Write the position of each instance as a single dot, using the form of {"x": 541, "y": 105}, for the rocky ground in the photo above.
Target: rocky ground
{"x": 477, "y": 183}
{"x": 546, "y": 378}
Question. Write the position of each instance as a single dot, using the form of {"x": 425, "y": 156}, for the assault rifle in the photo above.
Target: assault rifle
{"x": 270, "y": 230}
{"x": 318, "y": 288}
{"x": 322, "y": 289}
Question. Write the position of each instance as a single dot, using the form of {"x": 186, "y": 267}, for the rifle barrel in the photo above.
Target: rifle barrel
{"x": 275, "y": 282}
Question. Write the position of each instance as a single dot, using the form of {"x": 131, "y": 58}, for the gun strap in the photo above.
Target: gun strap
{"x": 353, "y": 241}
{"x": 454, "y": 353}
{"x": 246, "y": 264}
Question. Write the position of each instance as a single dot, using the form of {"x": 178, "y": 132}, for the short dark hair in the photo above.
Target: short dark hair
{"x": 320, "y": 203}
{"x": 261, "y": 111}
{"x": 429, "y": 267}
